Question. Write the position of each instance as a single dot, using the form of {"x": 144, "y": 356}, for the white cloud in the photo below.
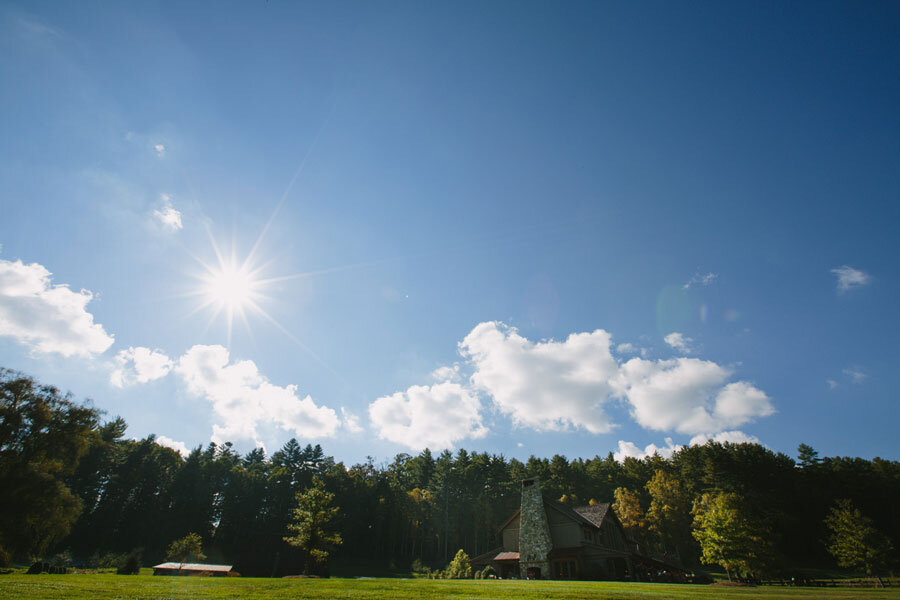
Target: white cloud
{"x": 734, "y": 437}
{"x": 629, "y": 449}
{"x": 679, "y": 341}
{"x": 688, "y": 395}
{"x": 627, "y": 348}
{"x": 160, "y": 150}
{"x": 856, "y": 374}
{"x": 47, "y": 317}
{"x": 549, "y": 385}
{"x": 242, "y": 398}
{"x": 563, "y": 386}
{"x": 350, "y": 421}
{"x": 849, "y": 278}
{"x": 832, "y": 384}
{"x": 167, "y": 442}
{"x": 700, "y": 279}
{"x": 167, "y": 215}
{"x": 433, "y": 417}
{"x": 139, "y": 365}
{"x": 442, "y": 374}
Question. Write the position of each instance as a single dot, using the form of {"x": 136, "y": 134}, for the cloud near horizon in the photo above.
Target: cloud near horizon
{"x": 436, "y": 416}
{"x": 632, "y": 450}
{"x": 242, "y": 398}
{"x": 564, "y": 386}
{"x": 47, "y": 317}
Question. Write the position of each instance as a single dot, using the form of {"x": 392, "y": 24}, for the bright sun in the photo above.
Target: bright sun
{"x": 231, "y": 287}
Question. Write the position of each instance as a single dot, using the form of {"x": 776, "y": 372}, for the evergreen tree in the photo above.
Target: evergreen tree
{"x": 312, "y": 526}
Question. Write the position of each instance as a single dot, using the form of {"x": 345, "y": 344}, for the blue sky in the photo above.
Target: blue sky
{"x": 525, "y": 228}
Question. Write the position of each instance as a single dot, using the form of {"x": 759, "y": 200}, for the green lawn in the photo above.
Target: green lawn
{"x": 143, "y": 587}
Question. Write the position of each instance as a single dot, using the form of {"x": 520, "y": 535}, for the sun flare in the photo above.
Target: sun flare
{"x": 231, "y": 287}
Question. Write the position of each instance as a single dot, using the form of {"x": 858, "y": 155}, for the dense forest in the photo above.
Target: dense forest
{"x": 71, "y": 482}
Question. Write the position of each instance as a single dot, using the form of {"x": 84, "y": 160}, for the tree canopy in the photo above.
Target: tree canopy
{"x": 43, "y": 434}
{"x": 854, "y": 541}
{"x": 187, "y": 549}
{"x": 313, "y": 524}
{"x": 729, "y": 535}
{"x": 108, "y": 493}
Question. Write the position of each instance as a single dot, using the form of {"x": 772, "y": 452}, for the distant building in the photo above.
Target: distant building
{"x": 174, "y": 568}
{"x": 548, "y": 540}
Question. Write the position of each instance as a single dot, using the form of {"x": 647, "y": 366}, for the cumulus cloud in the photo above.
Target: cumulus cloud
{"x": 733, "y": 437}
{"x": 700, "y": 279}
{"x": 139, "y": 365}
{"x": 47, "y": 317}
{"x": 428, "y": 417}
{"x": 242, "y": 398}
{"x": 679, "y": 341}
{"x": 630, "y": 449}
{"x": 442, "y": 374}
{"x": 160, "y": 150}
{"x": 350, "y": 421}
{"x": 849, "y": 278}
{"x": 167, "y": 215}
{"x": 688, "y": 395}
{"x": 565, "y": 385}
{"x": 167, "y": 442}
{"x": 547, "y": 386}
{"x": 627, "y": 348}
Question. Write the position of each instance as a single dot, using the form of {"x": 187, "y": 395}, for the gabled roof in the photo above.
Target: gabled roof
{"x": 510, "y": 520}
{"x": 595, "y": 514}
{"x": 571, "y": 513}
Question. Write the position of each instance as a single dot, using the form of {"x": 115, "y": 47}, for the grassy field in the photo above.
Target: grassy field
{"x": 143, "y": 587}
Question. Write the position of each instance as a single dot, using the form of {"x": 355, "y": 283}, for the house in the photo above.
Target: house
{"x": 545, "y": 539}
{"x": 174, "y": 568}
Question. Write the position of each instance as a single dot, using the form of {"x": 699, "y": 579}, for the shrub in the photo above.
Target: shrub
{"x": 63, "y": 559}
{"x": 478, "y": 574}
{"x": 132, "y": 563}
{"x": 418, "y": 566}
{"x": 488, "y": 572}
{"x": 460, "y": 567}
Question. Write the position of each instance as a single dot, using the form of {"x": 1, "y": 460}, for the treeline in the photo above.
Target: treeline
{"x": 71, "y": 482}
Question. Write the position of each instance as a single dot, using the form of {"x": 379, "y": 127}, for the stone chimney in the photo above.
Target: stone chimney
{"x": 534, "y": 533}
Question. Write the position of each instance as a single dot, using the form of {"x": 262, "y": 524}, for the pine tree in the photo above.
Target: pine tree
{"x": 312, "y": 526}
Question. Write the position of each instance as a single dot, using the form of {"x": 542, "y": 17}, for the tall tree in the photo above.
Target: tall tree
{"x": 669, "y": 513}
{"x": 627, "y": 507}
{"x": 313, "y": 524}
{"x": 855, "y": 542}
{"x": 729, "y": 536}
{"x": 43, "y": 433}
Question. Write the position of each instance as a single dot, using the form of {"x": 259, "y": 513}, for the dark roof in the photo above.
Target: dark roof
{"x": 571, "y": 513}
{"x": 595, "y": 514}
{"x": 192, "y": 567}
{"x": 486, "y": 558}
{"x": 510, "y": 520}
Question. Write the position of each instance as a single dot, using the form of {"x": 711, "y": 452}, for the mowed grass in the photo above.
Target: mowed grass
{"x": 146, "y": 587}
